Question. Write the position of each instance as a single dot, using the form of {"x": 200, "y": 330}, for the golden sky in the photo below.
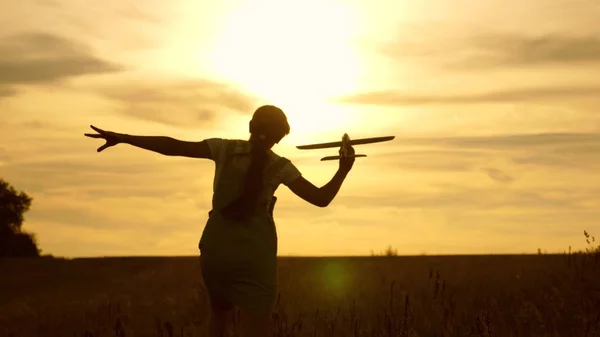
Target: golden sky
{"x": 495, "y": 106}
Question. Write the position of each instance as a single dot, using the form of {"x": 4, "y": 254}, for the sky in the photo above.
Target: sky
{"x": 494, "y": 105}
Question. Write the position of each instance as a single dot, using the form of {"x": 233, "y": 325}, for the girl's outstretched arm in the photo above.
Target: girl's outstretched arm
{"x": 160, "y": 144}
{"x": 169, "y": 146}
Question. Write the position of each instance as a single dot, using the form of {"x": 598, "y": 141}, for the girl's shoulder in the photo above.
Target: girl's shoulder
{"x": 219, "y": 146}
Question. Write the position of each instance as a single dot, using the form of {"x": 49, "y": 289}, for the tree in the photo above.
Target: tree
{"x": 13, "y": 240}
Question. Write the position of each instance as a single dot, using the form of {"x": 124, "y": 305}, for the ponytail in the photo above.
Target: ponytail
{"x": 245, "y": 204}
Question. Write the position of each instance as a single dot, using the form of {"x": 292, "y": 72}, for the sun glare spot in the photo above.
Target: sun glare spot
{"x": 336, "y": 278}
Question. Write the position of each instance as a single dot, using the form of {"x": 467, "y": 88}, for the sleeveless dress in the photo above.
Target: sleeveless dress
{"x": 239, "y": 259}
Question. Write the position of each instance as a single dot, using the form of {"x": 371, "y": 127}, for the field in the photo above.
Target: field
{"x": 521, "y": 295}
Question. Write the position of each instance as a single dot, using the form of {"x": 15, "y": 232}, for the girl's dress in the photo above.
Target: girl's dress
{"x": 239, "y": 259}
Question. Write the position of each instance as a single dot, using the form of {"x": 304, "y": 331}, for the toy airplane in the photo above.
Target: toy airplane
{"x": 344, "y": 145}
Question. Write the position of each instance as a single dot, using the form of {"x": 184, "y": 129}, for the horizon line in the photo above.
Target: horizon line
{"x": 309, "y": 256}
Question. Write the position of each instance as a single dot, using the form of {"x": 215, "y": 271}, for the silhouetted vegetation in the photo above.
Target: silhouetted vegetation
{"x": 479, "y": 296}
{"x": 14, "y": 241}
{"x": 389, "y": 251}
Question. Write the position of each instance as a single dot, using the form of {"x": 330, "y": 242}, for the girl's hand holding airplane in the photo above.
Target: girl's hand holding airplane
{"x": 346, "y": 163}
{"x": 112, "y": 138}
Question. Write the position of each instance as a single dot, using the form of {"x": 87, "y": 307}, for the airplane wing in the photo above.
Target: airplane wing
{"x": 319, "y": 146}
{"x": 361, "y": 141}
{"x": 338, "y": 157}
{"x": 352, "y": 142}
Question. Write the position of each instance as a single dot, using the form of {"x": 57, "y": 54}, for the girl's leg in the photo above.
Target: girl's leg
{"x": 255, "y": 324}
{"x": 220, "y": 309}
{"x": 219, "y": 317}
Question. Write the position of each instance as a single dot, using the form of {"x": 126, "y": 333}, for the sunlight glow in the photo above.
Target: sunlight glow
{"x": 291, "y": 54}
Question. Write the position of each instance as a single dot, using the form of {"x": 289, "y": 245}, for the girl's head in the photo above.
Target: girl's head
{"x": 269, "y": 124}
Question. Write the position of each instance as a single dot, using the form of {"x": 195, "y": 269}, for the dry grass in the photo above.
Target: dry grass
{"x": 524, "y": 295}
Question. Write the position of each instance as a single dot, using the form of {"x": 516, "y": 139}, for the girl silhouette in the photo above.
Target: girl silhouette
{"x": 239, "y": 243}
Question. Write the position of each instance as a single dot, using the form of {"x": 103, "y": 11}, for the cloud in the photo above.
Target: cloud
{"x": 477, "y": 198}
{"x": 178, "y": 102}
{"x": 133, "y": 27}
{"x": 493, "y": 49}
{"x": 498, "y": 175}
{"x": 436, "y": 159}
{"x": 4, "y": 156}
{"x": 42, "y": 58}
{"x": 5, "y": 92}
{"x": 590, "y": 141}
{"x": 125, "y": 9}
{"x": 493, "y": 156}
{"x": 396, "y": 98}
{"x": 131, "y": 11}
{"x": 519, "y": 50}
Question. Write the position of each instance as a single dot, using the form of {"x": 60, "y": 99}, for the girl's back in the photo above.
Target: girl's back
{"x": 256, "y": 235}
{"x": 234, "y": 154}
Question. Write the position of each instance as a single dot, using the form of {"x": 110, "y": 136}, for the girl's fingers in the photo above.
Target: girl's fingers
{"x": 101, "y": 148}
{"x": 96, "y": 129}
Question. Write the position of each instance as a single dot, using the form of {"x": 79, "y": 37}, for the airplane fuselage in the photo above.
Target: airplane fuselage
{"x": 345, "y": 144}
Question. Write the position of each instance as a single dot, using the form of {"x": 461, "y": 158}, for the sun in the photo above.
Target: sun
{"x": 293, "y": 54}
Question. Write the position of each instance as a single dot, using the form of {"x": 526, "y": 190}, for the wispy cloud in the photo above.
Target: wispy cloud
{"x": 431, "y": 158}
{"x": 178, "y": 102}
{"x": 396, "y": 98}
{"x": 122, "y": 8}
{"x": 133, "y": 27}
{"x": 498, "y": 175}
{"x": 481, "y": 198}
{"x": 499, "y": 49}
{"x": 5, "y": 91}
{"x": 515, "y": 141}
{"x": 520, "y": 50}
{"x": 502, "y": 158}
{"x": 40, "y": 58}
{"x": 130, "y": 10}
{"x": 4, "y": 156}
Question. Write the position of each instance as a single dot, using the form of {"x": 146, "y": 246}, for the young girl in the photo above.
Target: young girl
{"x": 239, "y": 243}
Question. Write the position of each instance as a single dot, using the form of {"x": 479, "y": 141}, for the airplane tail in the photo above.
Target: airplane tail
{"x": 338, "y": 157}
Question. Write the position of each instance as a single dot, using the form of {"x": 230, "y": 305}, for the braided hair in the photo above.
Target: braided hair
{"x": 268, "y": 126}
